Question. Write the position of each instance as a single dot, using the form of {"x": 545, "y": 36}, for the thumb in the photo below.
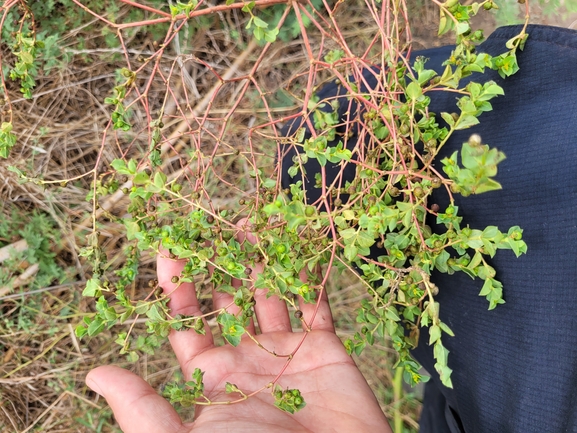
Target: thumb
{"x": 136, "y": 406}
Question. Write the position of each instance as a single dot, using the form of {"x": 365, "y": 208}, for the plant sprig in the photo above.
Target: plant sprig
{"x": 383, "y": 206}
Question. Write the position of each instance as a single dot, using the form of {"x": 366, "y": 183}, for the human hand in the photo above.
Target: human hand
{"x": 337, "y": 396}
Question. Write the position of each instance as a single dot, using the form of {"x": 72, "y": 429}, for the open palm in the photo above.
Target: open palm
{"x": 336, "y": 394}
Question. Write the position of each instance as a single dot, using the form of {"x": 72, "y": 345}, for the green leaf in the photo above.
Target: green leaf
{"x": 160, "y": 179}
{"x": 260, "y": 23}
{"x": 334, "y": 55}
{"x": 96, "y": 326}
{"x": 392, "y": 314}
{"x": 445, "y": 375}
{"x": 26, "y": 57}
{"x": 364, "y": 239}
{"x": 6, "y": 127}
{"x": 423, "y": 75}
{"x": 512, "y": 42}
{"x": 348, "y": 343}
{"x": 154, "y": 158}
{"x": 92, "y": 288}
{"x": 248, "y": 7}
{"x": 474, "y": 240}
{"x": 126, "y": 315}
{"x": 491, "y": 232}
{"x": 141, "y": 307}
{"x": 131, "y": 166}
{"x": 518, "y": 247}
{"x": 141, "y": 178}
{"x": 269, "y": 183}
{"x": 445, "y": 23}
{"x": 462, "y": 28}
{"x": 441, "y": 261}
{"x": 475, "y": 261}
{"x": 493, "y": 292}
{"x": 487, "y": 288}
{"x": 80, "y": 330}
{"x": 348, "y": 233}
{"x": 448, "y": 118}
{"x": 271, "y": 35}
{"x": 466, "y": 121}
{"x": 413, "y": 91}
{"x": 230, "y": 388}
{"x": 300, "y": 135}
{"x": 154, "y": 313}
{"x": 490, "y": 89}
{"x": 446, "y": 329}
{"x": 440, "y": 353}
{"x": 434, "y": 334}
{"x": 132, "y": 228}
{"x": 351, "y": 252}
{"x": 120, "y": 166}
{"x": 232, "y": 328}
{"x": 488, "y": 185}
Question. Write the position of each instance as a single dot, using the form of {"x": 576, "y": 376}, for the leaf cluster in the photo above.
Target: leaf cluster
{"x": 186, "y": 394}
{"x": 120, "y": 113}
{"x": 260, "y": 28}
{"x": 40, "y": 233}
{"x": 390, "y": 211}
{"x": 25, "y": 50}
{"x": 288, "y": 400}
{"x": 7, "y": 139}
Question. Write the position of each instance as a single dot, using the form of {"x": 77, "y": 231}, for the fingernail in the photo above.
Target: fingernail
{"x": 93, "y": 385}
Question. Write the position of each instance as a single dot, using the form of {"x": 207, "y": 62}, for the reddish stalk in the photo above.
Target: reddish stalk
{"x": 147, "y": 8}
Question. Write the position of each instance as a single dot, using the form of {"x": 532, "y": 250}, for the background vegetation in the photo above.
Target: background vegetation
{"x": 58, "y": 111}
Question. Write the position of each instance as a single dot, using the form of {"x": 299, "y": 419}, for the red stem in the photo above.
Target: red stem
{"x": 147, "y": 8}
{"x": 198, "y": 13}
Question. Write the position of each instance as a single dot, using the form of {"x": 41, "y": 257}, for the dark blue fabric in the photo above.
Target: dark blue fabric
{"x": 514, "y": 368}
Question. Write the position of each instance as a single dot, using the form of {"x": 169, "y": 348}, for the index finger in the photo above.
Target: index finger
{"x": 317, "y": 315}
{"x": 186, "y": 344}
